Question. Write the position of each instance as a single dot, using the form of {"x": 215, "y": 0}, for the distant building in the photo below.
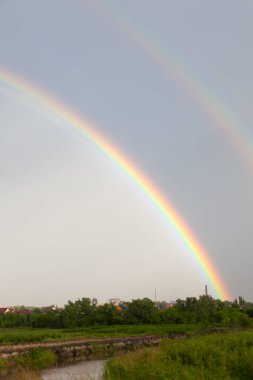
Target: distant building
{"x": 4, "y": 310}
{"x": 120, "y": 305}
{"x": 162, "y": 305}
{"x": 47, "y": 309}
{"x": 23, "y": 310}
{"x": 115, "y": 301}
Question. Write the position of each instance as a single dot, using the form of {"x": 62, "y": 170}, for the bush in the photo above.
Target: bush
{"x": 36, "y": 359}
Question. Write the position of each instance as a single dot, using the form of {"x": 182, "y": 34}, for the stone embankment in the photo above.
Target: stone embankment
{"x": 79, "y": 349}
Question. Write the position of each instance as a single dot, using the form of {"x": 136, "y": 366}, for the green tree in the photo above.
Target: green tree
{"x": 108, "y": 314}
{"x": 79, "y": 313}
{"x": 142, "y": 311}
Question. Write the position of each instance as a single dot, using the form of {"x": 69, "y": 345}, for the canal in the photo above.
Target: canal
{"x": 85, "y": 370}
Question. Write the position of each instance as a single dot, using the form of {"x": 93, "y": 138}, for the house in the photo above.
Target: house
{"x": 4, "y": 310}
{"x": 23, "y": 310}
{"x": 48, "y": 309}
{"x": 163, "y": 305}
{"x": 115, "y": 301}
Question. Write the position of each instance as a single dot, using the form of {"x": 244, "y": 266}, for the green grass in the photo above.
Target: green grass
{"x": 3, "y": 364}
{"x": 28, "y": 365}
{"x": 207, "y": 357}
{"x": 36, "y": 359}
{"x": 10, "y": 336}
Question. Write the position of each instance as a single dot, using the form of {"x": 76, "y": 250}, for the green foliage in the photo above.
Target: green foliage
{"x": 205, "y": 310}
{"x": 79, "y": 313}
{"x": 85, "y": 312}
{"x": 14, "y": 336}
{"x": 142, "y": 311}
{"x": 219, "y": 356}
{"x": 36, "y": 359}
{"x": 108, "y": 314}
{"x": 3, "y": 364}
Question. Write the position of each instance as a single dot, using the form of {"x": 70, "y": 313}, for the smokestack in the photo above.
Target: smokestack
{"x": 206, "y": 294}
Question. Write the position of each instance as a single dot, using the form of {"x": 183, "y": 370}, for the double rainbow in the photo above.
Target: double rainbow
{"x": 175, "y": 70}
{"x": 38, "y": 100}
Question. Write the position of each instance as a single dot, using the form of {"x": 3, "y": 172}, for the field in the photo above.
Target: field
{"x": 208, "y": 357}
{"x": 24, "y": 335}
{"x": 225, "y": 355}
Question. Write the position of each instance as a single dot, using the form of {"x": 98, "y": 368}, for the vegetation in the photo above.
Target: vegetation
{"x": 3, "y": 364}
{"x": 83, "y": 318}
{"x": 86, "y": 313}
{"x": 25, "y": 335}
{"x": 212, "y": 357}
{"x": 28, "y": 365}
{"x": 24, "y": 374}
{"x": 36, "y": 359}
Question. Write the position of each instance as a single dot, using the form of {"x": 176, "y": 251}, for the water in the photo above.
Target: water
{"x": 86, "y": 370}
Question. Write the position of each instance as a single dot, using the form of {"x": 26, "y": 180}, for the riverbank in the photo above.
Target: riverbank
{"x": 36, "y": 356}
{"x": 212, "y": 357}
{"x": 40, "y": 355}
{"x": 32, "y": 357}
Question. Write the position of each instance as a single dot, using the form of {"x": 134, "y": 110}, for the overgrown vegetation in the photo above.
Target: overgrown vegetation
{"x": 27, "y": 366}
{"x": 86, "y": 313}
{"x": 201, "y": 357}
{"x": 36, "y": 359}
{"x": 24, "y": 374}
{"x": 25, "y": 335}
{"x": 212, "y": 357}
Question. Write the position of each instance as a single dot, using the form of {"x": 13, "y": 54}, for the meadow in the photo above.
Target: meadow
{"x": 209, "y": 357}
{"x": 197, "y": 357}
{"x": 202, "y": 354}
{"x": 26, "y": 335}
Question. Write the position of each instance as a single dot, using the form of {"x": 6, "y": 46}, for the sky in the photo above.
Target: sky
{"x": 146, "y": 74}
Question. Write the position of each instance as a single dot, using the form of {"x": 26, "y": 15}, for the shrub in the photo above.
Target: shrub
{"x": 36, "y": 359}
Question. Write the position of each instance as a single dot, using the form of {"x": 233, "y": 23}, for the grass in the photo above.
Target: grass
{"x": 36, "y": 359}
{"x": 153, "y": 363}
{"x": 25, "y": 374}
{"x": 210, "y": 357}
{"x": 21, "y": 335}
{"x": 28, "y": 365}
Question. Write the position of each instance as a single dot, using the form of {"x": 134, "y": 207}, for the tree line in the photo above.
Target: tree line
{"x": 85, "y": 312}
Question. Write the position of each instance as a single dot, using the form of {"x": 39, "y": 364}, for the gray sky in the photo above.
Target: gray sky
{"x": 71, "y": 224}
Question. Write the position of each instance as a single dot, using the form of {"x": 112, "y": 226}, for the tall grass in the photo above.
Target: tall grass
{"x": 27, "y": 366}
{"x": 213, "y": 357}
{"x": 36, "y": 359}
{"x": 25, "y": 335}
{"x": 24, "y": 374}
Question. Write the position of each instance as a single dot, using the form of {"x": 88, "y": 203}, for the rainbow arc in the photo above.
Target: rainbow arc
{"x": 44, "y": 103}
{"x": 177, "y": 71}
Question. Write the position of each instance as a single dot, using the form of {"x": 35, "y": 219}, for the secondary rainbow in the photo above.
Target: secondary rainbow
{"x": 175, "y": 70}
{"x": 38, "y": 100}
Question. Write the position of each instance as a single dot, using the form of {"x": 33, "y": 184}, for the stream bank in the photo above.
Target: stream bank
{"x": 38, "y": 356}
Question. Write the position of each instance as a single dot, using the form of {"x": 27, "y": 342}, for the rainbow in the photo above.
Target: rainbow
{"x": 39, "y": 100}
{"x": 174, "y": 70}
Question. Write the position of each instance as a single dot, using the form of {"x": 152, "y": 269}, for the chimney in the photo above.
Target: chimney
{"x": 206, "y": 294}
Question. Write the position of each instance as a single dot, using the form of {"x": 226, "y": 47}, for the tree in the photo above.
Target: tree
{"x": 78, "y": 314}
{"x": 108, "y": 314}
{"x": 142, "y": 311}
